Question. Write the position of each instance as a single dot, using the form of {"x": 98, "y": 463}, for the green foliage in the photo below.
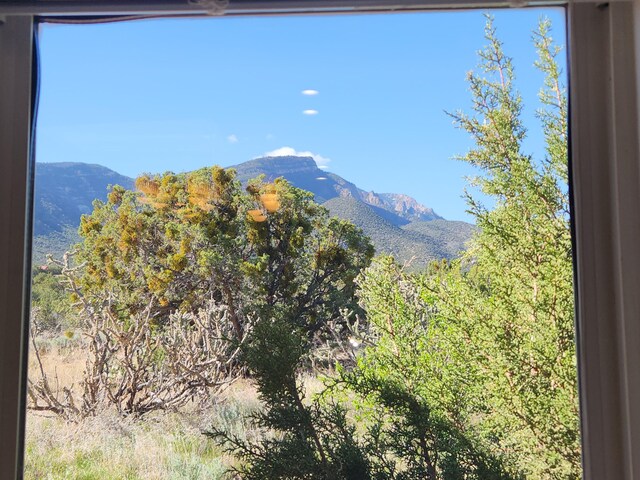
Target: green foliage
{"x": 509, "y": 304}
{"x": 420, "y": 420}
{"x": 298, "y": 440}
{"x": 172, "y": 278}
{"x": 51, "y": 308}
{"x": 196, "y": 237}
{"x": 404, "y": 431}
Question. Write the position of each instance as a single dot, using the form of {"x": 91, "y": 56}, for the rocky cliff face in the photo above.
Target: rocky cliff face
{"x": 406, "y": 206}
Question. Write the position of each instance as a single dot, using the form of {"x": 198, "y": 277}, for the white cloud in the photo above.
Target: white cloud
{"x": 310, "y": 92}
{"x": 233, "y": 139}
{"x": 321, "y": 161}
{"x": 270, "y": 136}
{"x": 310, "y": 112}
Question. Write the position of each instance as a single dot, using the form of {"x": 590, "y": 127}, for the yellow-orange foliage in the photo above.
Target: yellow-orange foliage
{"x": 270, "y": 201}
{"x": 147, "y": 186}
{"x": 201, "y": 194}
{"x": 257, "y": 215}
{"x": 150, "y": 189}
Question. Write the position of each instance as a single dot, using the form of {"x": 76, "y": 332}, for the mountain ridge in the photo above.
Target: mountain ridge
{"x": 397, "y": 223}
{"x": 303, "y": 172}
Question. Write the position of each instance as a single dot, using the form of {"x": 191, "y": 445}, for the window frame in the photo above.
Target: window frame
{"x": 603, "y": 40}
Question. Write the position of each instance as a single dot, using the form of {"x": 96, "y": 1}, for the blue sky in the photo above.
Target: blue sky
{"x": 158, "y": 95}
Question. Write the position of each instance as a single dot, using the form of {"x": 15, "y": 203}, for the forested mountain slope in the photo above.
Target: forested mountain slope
{"x": 414, "y": 244}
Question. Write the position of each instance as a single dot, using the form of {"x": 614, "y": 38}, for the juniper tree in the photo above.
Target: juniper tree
{"x": 184, "y": 240}
{"x": 509, "y": 304}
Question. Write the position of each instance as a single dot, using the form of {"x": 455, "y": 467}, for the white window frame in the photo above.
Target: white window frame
{"x": 604, "y": 50}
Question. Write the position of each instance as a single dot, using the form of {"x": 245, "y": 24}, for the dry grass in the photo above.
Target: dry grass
{"x": 62, "y": 359}
{"x": 169, "y": 446}
{"x": 159, "y": 446}
{"x": 165, "y": 445}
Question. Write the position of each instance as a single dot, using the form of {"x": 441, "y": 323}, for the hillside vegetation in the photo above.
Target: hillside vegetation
{"x": 450, "y": 236}
{"x": 414, "y": 244}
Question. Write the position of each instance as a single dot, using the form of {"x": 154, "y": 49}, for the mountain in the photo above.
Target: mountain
{"x": 64, "y": 191}
{"x": 303, "y": 173}
{"x": 397, "y": 224}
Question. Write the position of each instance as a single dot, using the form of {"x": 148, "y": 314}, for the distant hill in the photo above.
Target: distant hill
{"x": 449, "y": 236}
{"x": 397, "y": 224}
{"x": 64, "y": 191}
{"x": 54, "y": 243}
{"x": 412, "y": 245}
